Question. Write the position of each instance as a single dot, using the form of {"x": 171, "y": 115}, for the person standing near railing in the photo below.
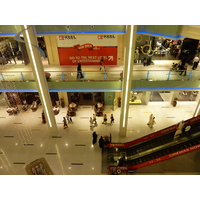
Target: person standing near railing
{"x": 79, "y": 71}
{"x": 184, "y": 69}
{"x": 102, "y": 63}
{"x": 196, "y": 62}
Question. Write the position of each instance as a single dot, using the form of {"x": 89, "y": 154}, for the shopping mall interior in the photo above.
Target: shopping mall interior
{"x": 30, "y": 144}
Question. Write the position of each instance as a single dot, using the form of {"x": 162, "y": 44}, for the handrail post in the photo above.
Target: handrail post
{"x": 2, "y": 77}
{"x": 22, "y": 76}
{"x": 63, "y": 76}
{"x": 190, "y": 75}
{"x": 169, "y": 73}
{"x": 84, "y": 76}
{"x": 147, "y": 75}
{"x": 104, "y": 75}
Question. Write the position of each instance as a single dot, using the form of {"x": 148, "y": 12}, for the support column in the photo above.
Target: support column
{"x": 145, "y": 97}
{"x": 52, "y": 49}
{"x": 130, "y": 39}
{"x": 38, "y": 71}
{"x": 197, "y": 109}
{"x": 64, "y": 96}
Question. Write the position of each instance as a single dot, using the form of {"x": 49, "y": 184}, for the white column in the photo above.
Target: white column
{"x": 38, "y": 71}
{"x": 130, "y": 39}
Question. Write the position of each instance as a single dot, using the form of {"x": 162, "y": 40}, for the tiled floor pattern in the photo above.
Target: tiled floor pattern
{"x": 73, "y": 152}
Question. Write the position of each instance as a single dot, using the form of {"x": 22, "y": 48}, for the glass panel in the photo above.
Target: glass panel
{"x": 54, "y": 76}
{"x": 95, "y": 75}
{"x": 113, "y": 76}
{"x": 158, "y": 75}
{"x": 195, "y": 75}
{"x": 28, "y": 76}
{"x": 139, "y": 75}
{"x": 16, "y": 76}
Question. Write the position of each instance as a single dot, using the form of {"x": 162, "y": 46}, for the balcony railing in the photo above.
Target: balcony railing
{"x": 139, "y": 75}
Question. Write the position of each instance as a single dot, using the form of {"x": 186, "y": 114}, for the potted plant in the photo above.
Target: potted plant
{"x": 62, "y": 103}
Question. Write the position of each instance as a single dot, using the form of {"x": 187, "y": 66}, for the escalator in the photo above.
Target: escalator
{"x": 155, "y": 149}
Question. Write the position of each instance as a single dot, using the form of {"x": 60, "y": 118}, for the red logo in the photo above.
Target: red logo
{"x": 61, "y": 37}
{"x": 100, "y": 36}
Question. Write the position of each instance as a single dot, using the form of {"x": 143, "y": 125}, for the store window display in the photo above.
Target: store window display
{"x": 135, "y": 98}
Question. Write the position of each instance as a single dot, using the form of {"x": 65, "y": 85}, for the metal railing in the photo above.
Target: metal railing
{"x": 139, "y": 75}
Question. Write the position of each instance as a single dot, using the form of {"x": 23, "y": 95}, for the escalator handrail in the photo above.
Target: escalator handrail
{"x": 156, "y": 160}
{"x": 153, "y": 135}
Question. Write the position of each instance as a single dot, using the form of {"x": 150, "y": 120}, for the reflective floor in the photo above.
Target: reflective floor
{"x": 73, "y": 152}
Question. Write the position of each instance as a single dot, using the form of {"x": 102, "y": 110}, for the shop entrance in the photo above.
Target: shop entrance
{"x": 85, "y": 98}
{"x": 187, "y": 95}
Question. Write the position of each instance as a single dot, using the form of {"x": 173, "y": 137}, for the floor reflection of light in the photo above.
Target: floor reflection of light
{"x": 59, "y": 158}
{"x": 4, "y": 165}
{"x": 7, "y": 160}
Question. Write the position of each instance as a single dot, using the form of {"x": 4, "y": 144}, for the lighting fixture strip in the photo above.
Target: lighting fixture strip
{"x": 128, "y": 74}
{"x": 37, "y": 76}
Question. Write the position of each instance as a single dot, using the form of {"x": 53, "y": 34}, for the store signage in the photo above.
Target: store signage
{"x": 105, "y": 36}
{"x": 95, "y": 40}
{"x": 69, "y": 37}
{"x": 87, "y": 49}
{"x": 87, "y": 55}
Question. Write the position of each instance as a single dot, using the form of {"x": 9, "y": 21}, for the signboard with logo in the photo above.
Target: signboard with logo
{"x": 87, "y": 49}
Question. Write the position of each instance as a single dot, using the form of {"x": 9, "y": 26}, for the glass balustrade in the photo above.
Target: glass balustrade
{"x": 57, "y": 76}
{"x": 139, "y": 75}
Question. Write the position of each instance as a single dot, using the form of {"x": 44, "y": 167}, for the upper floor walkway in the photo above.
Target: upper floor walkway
{"x": 152, "y": 76}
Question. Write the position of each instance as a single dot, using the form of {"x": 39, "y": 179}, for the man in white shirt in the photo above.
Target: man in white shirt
{"x": 196, "y": 62}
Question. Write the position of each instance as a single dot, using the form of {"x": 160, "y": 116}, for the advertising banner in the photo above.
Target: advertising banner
{"x": 87, "y": 49}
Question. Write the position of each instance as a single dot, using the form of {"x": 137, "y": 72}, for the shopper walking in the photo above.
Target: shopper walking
{"x": 94, "y": 136}
{"x": 196, "y": 62}
{"x": 69, "y": 119}
{"x": 101, "y": 142}
{"x": 94, "y": 120}
{"x": 102, "y": 63}
{"x": 184, "y": 69}
{"x": 145, "y": 62}
{"x": 79, "y": 71}
{"x": 112, "y": 118}
{"x": 152, "y": 122}
{"x": 104, "y": 119}
{"x": 43, "y": 118}
{"x": 65, "y": 123}
{"x": 91, "y": 122}
{"x": 150, "y": 119}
